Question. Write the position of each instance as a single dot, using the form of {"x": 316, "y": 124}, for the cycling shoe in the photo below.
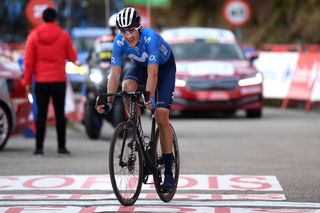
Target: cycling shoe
{"x": 169, "y": 182}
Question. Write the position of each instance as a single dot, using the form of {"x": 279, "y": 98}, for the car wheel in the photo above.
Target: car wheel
{"x": 254, "y": 113}
{"x": 5, "y": 126}
{"x": 118, "y": 112}
{"x": 92, "y": 122}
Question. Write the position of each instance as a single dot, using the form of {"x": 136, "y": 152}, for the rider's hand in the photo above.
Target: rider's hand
{"x": 102, "y": 107}
{"x": 150, "y": 104}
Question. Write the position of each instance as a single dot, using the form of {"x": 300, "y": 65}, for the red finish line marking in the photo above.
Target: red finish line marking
{"x": 269, "y": 208}
{"x": 102, "y": 182}
{"x": 178, "y": 196}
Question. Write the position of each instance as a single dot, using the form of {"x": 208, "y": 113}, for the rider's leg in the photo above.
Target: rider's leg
{"x": 166, "y": 140}
{"x": 166, "y": 136}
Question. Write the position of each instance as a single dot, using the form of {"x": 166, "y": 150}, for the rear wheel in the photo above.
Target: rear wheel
{"x": 5, "y": 126}
{"x": 158, "y": 176}
{"x": 126, "y": 174}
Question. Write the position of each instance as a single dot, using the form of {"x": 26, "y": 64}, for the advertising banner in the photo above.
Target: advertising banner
{"x": 304, "y": 77}
{"x": 290, "y": 76}
{"x": 277, "y": 69}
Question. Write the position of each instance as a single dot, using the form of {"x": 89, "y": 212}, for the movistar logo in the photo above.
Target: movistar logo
{"x": 143, "y": 57}
{"x": 120, "y": 43}
{"x": 147, "y": 40}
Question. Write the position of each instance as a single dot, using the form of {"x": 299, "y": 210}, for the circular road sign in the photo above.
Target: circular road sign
{"x": 237, "y": 12}
{"x": 34, "y": 10}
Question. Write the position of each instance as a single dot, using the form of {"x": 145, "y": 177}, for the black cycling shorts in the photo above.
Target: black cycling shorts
{"x": 166, "y": 80}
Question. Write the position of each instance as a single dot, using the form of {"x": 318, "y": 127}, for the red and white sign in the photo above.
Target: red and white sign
{"x": 304, "y": 76}
{"x": 34, "y": 10}
{"x": 237, "y": 12}
{"x": 102, "y": 182}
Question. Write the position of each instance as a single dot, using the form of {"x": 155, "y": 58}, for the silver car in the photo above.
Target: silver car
{"x": 14, "y": 105}
{"x": 7, "y": 117}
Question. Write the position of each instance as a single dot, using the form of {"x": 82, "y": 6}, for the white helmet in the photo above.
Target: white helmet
{"x": 112, "y": 20}
{"x": 128, "y": 18}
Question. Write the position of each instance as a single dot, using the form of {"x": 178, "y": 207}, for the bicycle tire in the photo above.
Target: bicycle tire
{"x": 126, "y": 180}
{"x": 158, "y": 177}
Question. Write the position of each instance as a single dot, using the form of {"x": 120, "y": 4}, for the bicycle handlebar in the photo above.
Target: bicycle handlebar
{"x": 144, "y": 94}
{"x": 121, "y": 93}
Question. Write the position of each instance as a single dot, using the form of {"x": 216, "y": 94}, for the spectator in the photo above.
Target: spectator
{"x": 48, "y": 48}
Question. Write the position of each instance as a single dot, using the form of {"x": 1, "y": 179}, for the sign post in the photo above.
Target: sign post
{"x": 237, "y": 13}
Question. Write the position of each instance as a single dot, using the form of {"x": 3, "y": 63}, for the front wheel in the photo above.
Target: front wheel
{"x": 118, "y": 112}
{"x": 125, "y": 165}
{"x": 158, "y": 176}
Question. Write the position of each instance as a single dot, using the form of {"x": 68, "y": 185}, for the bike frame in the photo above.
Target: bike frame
{"x": 132, "y": 121}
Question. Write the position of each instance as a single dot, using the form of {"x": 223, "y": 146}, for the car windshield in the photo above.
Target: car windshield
{"x": 206, "y": 49}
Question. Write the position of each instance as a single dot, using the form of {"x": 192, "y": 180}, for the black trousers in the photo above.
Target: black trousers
{"x": 43, "y": 92}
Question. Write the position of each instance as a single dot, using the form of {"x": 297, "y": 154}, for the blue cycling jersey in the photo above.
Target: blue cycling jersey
{"x": 152, "y": 49}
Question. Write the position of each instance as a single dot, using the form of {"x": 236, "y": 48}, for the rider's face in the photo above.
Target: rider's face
{"x": 131, "y": 36}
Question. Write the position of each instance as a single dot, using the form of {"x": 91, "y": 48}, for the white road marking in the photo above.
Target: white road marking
{"x": 164, "y": 208}
{"x": 258, "y": 194}
{"x": 182, "y": 203}
{"x": 150, "y": 196}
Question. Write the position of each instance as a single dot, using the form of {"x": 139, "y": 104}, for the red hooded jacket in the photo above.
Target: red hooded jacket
{"x": 48, "y": 48}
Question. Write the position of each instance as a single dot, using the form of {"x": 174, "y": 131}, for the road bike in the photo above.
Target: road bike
{"x": 133, "y": 156}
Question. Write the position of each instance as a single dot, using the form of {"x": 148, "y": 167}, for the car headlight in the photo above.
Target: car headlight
{"x": 180, "y": 83}
{"x": 96, "y": 76}
{"x": 257, "y": 79}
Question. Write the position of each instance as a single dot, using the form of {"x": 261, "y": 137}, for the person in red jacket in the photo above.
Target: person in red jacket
{"x": 48, "y": 48}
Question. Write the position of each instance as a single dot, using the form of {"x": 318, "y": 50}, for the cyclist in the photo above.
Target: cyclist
{"x": 112, "y": 24}
{"x": 153, "y": 66}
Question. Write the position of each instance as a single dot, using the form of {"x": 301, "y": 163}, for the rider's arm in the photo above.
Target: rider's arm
{"x": 152, "y": 79}
{"x": 153, "y": 64}
{"x": 113, "y": 81}
{"x": 116, "y": 63}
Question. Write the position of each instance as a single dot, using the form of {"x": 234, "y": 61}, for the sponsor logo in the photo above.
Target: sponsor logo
{"x": 120, "y": 43}
{"x": 152, "y": 58}
{"x": 143, "y": 57}
{"x": 163, "y": 49}
{"x": 147, "y": 39}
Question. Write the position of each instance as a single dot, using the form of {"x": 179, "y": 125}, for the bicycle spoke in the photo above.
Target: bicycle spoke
{"x": 126, "y": 168}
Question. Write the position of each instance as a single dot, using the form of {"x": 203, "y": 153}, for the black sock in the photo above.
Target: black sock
{"x": 168, "y": 160}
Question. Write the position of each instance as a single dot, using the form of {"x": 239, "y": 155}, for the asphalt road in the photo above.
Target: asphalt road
{"x": 284, "y": 144}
